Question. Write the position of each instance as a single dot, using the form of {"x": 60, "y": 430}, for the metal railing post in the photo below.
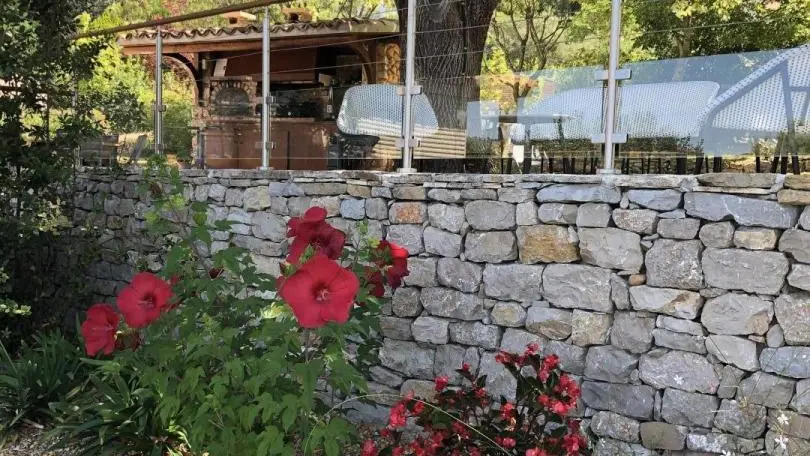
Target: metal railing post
{"x": 267, "y": 145}
{"x": 159, "y": 108}
{"x": 407, "y": 142}
{"x": 613, "y": 67}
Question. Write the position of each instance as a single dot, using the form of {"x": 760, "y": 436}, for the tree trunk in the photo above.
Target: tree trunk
{"x": 450, "y": 41}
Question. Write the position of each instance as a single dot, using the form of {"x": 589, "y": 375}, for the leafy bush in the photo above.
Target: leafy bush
{"x": 243, "y": 362}
{"x": 45, "y": 372}
{"x": 462, "y": 421}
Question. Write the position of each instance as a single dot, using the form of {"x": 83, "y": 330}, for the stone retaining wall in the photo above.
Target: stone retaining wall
{"x": 681, "y": 303}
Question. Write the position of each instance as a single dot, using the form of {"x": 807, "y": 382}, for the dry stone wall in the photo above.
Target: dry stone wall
{"x": 681, "y": 303}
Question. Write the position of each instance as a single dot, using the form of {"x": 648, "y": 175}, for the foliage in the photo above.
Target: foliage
{"x": 462, "y": 421}
{"x": 113, "y": 413}
{"x": 222, "y": 346}
{"x": 44, "y": 372}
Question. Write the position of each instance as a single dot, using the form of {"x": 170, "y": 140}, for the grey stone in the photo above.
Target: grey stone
{"x": 610, "y": 364}
{"x": 407, "y": 358}
{"x": 676, "y": 214}
{"x": 385, "y": 377}
{"x": 547, "y": 244}
{"x": 615, "y": 426}
{"x": 674, "y": 264}
{"x": 679, "y": 341}
{"x": 217, "y": 192}
{"x": 430, "y": 329}
{"x": 577, "y": 286}
{"x": 353, "y": 209}
{"x": 636, "y": 220}
{"x": 801, "y": 400}
{"x": 717, "y": 443}
{"x": 273, "y": 249}
{"x": 572, "y": 358}
{"x": 421, "y": 272}
{"x": 766, "y": 389}
{"x": 421, "y": 389}
{"x": 256, "y": 198}
{"x": 549, "y": 322}
{"x": 786, "y": 361}
{"x": 686, "y": 228}
{"x": 793, "y": 314}
{"x": 793, "y": 445}
{"x": 516, "y": 340}
{"x": 634, "y": 401}
{"x": 443, "y": 302}
{"x": 677, "y": 369}
{"x": 408, "y": 237}
{"x": 513, "y": 282}
{"x": 444, "y": 195}
{"x": 593, "y": 215}
{"x": 688, "y": 409}
{"x": 558, "y": 213}
{"x": 330, "y": 203}
{"x": 738, "y": 351}
{"x": 610, "y": 447}
{"x": 405, "y": 302}
{"x": 284, "y": 189}
{"x": 500, "y": 383}
{"x": 461, "y": 275}
{"x": 490, "y": 246}
{"x": 737, "y": 313}
{"x": 746, "y": 421}
{"x": 269, "y": 226}
{"x": 447, "y": 217}
{"x": 233, "y": 197}
{"x": 526, "y": 213}
{"x": 479, "y": 194}
{"x": 730, "y": 378}
{"x": 738, "y": 180}
{"x": 754, "y": 272}
{"x": 408, "y": 213}
{"x": 799, "y": 276}
{"x": 662, "y": 436}
{"x": 632, "y": 332}
{"x": 659, "y": 200}
{"x": 717, "y": 235}
{"x": 797, "y": 244}
{"x": 804, "y": 220}
{"x": 563, "y": 193}
{"x": 490, "y": 215}
{"x": 449, "y": 358}
{"x": 296, "y": 206}
{"x": 396, "y": 328}
{"x": 775, "y": 337}
{"x": 755, "y": 238}
{"x": 409, "y": 192}
{"x": 796, "y": 425}
{"x": 619, "y": 292}
{"x": 515, "y": 195}
{"x": 510, "y": 314}
{"x": 611, "y": 248}
{"x": 679, "y": 325}
{"x": 322, "y": 188}
{"x": 745, "y": 211}
{"x": 442, "y": 243}
{"x": 670, "y": 301}
{"x": 590, "y": 328}
{"x": 476, "y": 334}
{"x": 376, "y": 208}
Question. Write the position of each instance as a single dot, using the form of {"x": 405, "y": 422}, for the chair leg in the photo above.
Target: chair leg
{"x": 698, "y": 164}
{"x": 718, "y": 164}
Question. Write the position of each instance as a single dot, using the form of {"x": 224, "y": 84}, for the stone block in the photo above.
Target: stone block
{"x": 632, "y": 332}
{"x": 590, "y": 328}
{"x": 405, "y": 302}
{"x": 794, "y": 197}
{"x": 611, "y": 248}
{"x": 431, "y": 330}
{"x": 634, "y": 401}
{"x": 444, "y": 195}
{"x": 799, "y": 276}
{"x": 515, "y": 195}
{"x": 526, "y": 213}
{"x": 572, "y": 358}
{"x": 745, "y": 211}
{"x": 500, "y": 383}
{"x": 679, "y": 341}
{"x": 642, "y": 221}
{"x": 490, "y": 246}
{"x": 549, "y": 322}
{"x": 717, "y": 235}
{"x": 513, "y": 282}
{"x": 659, "y": 200}
{"x": 610, "y": 364}
{"x": 421, "y": 272}
{"x": 775, "y": 337}
{"x": 677, "y": 303}
{"x": 408, "y": 237}
{"x": 407, "y": 358}
{"x": 593, "y": 215}
{"x": 578, "y": 286}
{"x": 677, "y": 369}
{"x": 688, "y": 409}
{"x": 558, "y": 213}
{"x": 509, "y": 314}
{"x": 478, "y": 194}
{"x": 744, "y": 420}
{"x": 684, "y": 229}
{"x": 447, "y": 217}
{"x": 675, "y": 264}
{"x": 516, "y": 340}
{"x": 754, "y": 272}
{"x": 619, "y": 292}
{"x": 717, "y": 443}
{"x": 756, "y": 238}
{"x": 737, "y": 314}
{"x": 791, "y": 362}
{"x": 662, "y": 436}
{"x": 461, "y": 275}
{"x": 353, "y": 209}
{"x": 801, "y": 400}
{"x": 740, "y": 352}
{"x": 396, "y": 328}
{"x": 766, "y": 389}
{"x": 615, "y": 426}
{"x": 443, "y": 302}
{"x": 490, "y": 215}
{"x": 376, "y": 208}
{"x": 409, "y": 192}
{"x": 256, "y": 199}
{"x": 590, "y": 193}
{"x": 269, "y": 226}
{"x": 679, "y": 325}
{"x": 409, "y": 212}
{"x": 547, "y": 244}
{"x": 442, "y": 243}
{"x": 476, "y": 334}
{"x": 793, "y": 314}
{"x": 796, "y": 243}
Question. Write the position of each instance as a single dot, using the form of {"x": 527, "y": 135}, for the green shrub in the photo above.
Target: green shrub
{"x": 44, "y": 372}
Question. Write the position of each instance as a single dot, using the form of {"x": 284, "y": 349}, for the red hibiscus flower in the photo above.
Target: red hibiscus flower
{"x": 144, "y": 299}
{"x": 319, "y": 292}
{"x": 98, "y": 330}
{"x": 312, "y": 230}
{"x": 393, "y": 259}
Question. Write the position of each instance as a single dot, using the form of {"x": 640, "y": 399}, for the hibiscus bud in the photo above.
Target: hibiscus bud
{"x": 214, "y": 272}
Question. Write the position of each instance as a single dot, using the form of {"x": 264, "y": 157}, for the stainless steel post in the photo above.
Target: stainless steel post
{"x": 410, "y": 89}
{"x": 267, "y": 145}
{"x": 613, "y": 66}
{"x": 159, "y": 91}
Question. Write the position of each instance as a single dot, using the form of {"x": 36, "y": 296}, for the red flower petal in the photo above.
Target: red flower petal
{"x": 296, "y": 290}
{"x": 319, "y": 292}
{"x": 144, "y": 299}
{"x": 98, "y": 330}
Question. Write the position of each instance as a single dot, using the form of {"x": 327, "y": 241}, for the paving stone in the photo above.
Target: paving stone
{"x": 634, "y": 401}
{"x": 593, "y": 215}
{"x": 745, "y": 211}
{"x": 688, "y": 409}
{"x": 675, "y": 264}
{"x": 461, "y": 275}
{"x": 578, "y": 286}
{"x": 676, "y": 369}
{"x": 717, "y": 235}
{"x": 513, "y": 282}
{"x": 547, "y": 244}
{"x": 754, "y": 272}
{"x": 611, "y": 248}
{"x": 632, "y": 332}
{"x": 490, "y": 246}
{"x": 610, "y": 364}
{"x": 670, "y": 301}
{"x": 642, "y": 221}
{"x": 737, "y": 314}
{"x": 558, "y": 213}
{"x": 738, "y": 351}
{"x": 490, "y": 215}
{"x": 686, "y": 228}
{"x": 745, "y": 421}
